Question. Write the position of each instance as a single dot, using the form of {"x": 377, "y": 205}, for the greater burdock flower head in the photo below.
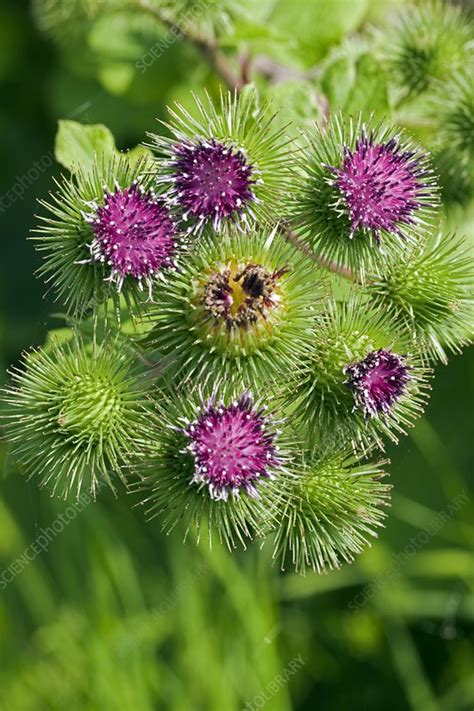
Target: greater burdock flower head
{"x": 76, "y": 418}
{"x": 378, "y": 381}
{"x": 364, "y": 191}
{"x": 212, "y": 182}
{"x": 219, "y": 459}
{"x": 134, "y": 235}
{"x": 233, "y": 447}
{"x": 381, "y": 186}
{"x": 240, "y": 309}
{"x": 105, "y": 231}
{"x": 356, "y": 384}
{"x": 241, "y": 297}
{"x": 226, "y": 165}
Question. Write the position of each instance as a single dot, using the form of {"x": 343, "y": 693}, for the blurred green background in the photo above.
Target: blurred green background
{"x": 113, "y": 615}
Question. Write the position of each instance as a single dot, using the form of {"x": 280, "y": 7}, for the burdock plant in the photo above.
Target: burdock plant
{"x": 287, "y": 301}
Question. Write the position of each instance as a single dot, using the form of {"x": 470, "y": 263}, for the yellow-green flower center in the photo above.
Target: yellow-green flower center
{"x": 237, "y": 306}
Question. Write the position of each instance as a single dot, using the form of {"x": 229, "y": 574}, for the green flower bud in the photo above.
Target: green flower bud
{"x": 453, "y": 107}
{"x": 76, "y": 418}
{"x": 430, "y": 41}
{"x": 456, "y": 177}
{"x": 430, "y": 295}
{"x": 331, "y": 513}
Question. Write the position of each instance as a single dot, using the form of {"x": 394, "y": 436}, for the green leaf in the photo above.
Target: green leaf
{"x": 322, "y": 23}
{"x": 78, "y": 145}
{"x": 298, "y": 103}
{"x": 116, "y": 77}
{"x": 123, "y": 36}
{"x": 356, "y": 83}
{"x": 369, "y": 91}
{"x": 259, "y": 36}
{"x": 137, "y": 154}
{"x": 56, "y": 337}
{"x": 337, "y": 81}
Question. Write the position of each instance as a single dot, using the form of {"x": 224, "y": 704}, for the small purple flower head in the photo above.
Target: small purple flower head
{"x": 382, "y": 186}
{"x": 233, "y": 446}
{"x": 378, "y": 381}
{"x": 134, "y": 234}
{"x": 211, "y": 182}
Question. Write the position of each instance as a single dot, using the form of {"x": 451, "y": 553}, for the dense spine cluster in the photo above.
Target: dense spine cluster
{"x": 77, "y": 417}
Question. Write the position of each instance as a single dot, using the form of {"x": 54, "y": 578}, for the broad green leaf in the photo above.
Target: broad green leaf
{"x": 139, "y": 153}
{"x": 116, "y": 77}
{"x": 355, "y": 83}
{"x": 77, "y": 144}
{"x": 337, "y": 81}
{"x": 318, "y": 25}
{"x": 369, "y": 91}
{"x": 57, "y": 336}
{"x": 258, "y": 36}
{"x": 123, "y": 36}
{"x": 298, "y": 103}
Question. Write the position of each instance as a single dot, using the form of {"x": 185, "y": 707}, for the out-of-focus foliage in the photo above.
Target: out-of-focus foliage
{"x": 114, "y": 616}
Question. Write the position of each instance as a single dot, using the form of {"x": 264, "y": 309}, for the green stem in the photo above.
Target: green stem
{"x": 331, "y": 266}
{"x": 208, "y": 48}
{"x": 218, "y": 62}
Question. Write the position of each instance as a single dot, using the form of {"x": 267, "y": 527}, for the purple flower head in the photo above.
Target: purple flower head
{"x": 241, "y": 297}
{"x": 211, "y": 182}
{"x": 382, "y": 186}
{"x": 378, "y": 381}
{"x": 134, "y": 234}
{"x": 233, "y": 446}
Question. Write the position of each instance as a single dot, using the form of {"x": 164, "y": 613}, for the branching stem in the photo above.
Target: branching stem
{"x": 219, "y": 63}
{"x": 207, "y": 47}
{"x": 322, "y": 261}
